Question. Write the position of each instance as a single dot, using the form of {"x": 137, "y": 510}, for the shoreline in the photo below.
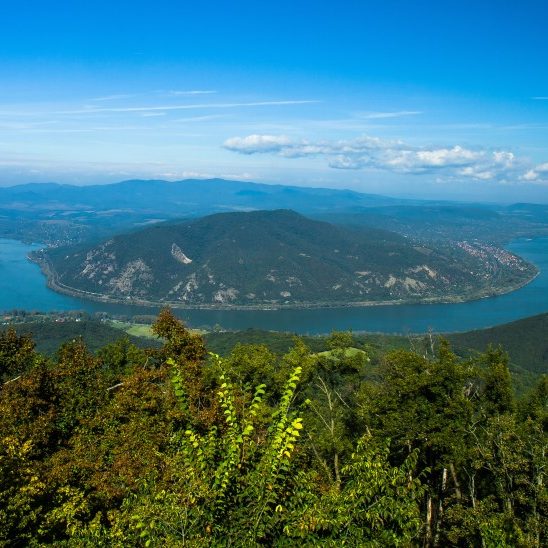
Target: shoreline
{"x": 53, "y": 284}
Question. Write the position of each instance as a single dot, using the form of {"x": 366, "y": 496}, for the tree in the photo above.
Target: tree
{"x": 498, "y": 394}
{"x": 235, "y": 482}
{"x": 424, "y": 404}
{"x": 331, "y": 417}
{"x": 16, "y": 354}
{"x": 377, "y": 505}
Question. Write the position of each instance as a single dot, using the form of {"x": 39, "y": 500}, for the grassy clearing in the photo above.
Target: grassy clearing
{"x": 141, "y": 329}
{"x": 348, "y": 352}
{"x": 134, "y": 329}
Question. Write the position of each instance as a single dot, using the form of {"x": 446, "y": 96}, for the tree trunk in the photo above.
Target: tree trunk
{"x": 337, "y": 472}
{"x": 440, "y": 506}
{"x": 458, "y": 492}
{"x": 472, "y": 487}
{"x": 429, "y": 517}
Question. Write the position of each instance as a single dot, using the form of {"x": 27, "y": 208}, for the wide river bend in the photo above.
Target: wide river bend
{"x": 23, "y": 286}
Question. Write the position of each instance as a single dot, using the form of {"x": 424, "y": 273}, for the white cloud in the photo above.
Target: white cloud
{"x": 358, "y": 148}
{"x": 192, "y": 92}
{"x": 345, "y": 162}
{"x": 443, "y": 157}
{"x": 395, "y": 156}
{"x": 530, "y": 175}
{"x": 506, "y": 159}
{"x": 114, "y": 97}
{"x": 173, "y": 93}
{"x": 537, "y": 173}
{"x": 257, "y": 143}
{"x": 177, "y": 175}
{"x": 205, "y": 118}
{"x": 94, "y": 110}
{"x": 383, "y": 115}
{"x": 477, "y": 173}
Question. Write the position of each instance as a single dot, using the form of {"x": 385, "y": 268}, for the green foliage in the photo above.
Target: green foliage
{"x": 49, "y": 334}
{"x": 21, "y": 490}
{"x": 233, "y": 482}
{"x": 277, "y": 342}
{"x": 245, "y": 476}
{"x": 507, "y": 497}
{"x": 174, "y": 446}
{"x": 498, "y": 393}
{"x": 331, "y": 417}
{"x": 378, "y": 505}
{"x": 340, "y": 340}
{"x": 252, "y": 365}
{"x": 120, "y": 356}
{"x": 16, "y": 354}
{"x": 535, "y": 404}
{"x": 422, "y": 403}
{"x": 525, "y": 342}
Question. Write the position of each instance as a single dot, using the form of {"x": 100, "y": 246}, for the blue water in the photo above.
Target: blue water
{"x": 23, "y": 286}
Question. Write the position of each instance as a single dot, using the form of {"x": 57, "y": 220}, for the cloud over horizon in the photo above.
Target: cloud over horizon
{"x": 396, "y": 156}
{"x": 537, "y": 173}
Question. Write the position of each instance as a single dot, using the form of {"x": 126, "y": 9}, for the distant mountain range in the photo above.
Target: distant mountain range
{"x": 276, "y": 258}
{"x": 60, "y": 214}
{"x": 191, "y": 197}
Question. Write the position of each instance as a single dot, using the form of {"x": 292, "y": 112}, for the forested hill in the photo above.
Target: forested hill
{"x": 272, "y": 258}
{"x": 526, "y": 341}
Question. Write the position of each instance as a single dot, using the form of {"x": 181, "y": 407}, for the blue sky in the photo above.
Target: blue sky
{"x": 439, "y": 99}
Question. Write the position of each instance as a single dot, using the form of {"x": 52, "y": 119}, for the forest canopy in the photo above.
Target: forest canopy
{"x": 174, "y": 445}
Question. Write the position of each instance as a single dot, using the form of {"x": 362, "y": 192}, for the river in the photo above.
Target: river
{"x": 23, "y": 286}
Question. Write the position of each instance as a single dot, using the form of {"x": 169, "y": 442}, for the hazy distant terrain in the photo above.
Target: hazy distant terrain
{"x": 60, "y": 214}
{"x": 57, "y": 214}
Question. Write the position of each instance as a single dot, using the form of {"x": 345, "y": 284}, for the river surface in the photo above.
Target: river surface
{"x": 23, "y": 286}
